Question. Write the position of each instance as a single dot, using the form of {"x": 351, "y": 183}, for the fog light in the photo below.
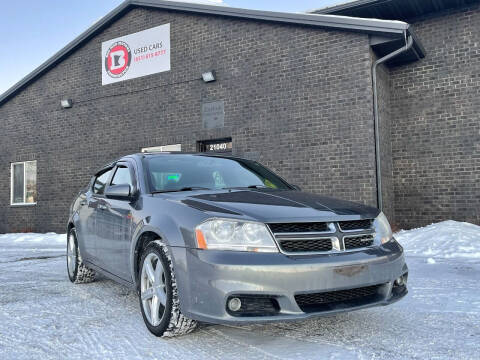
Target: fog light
{"x": 234, "y": 304}
{"x": 400, "y": 281}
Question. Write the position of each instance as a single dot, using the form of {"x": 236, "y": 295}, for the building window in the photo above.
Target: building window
{"x": 24, "y": 183}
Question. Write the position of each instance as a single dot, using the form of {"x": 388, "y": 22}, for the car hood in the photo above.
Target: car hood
{"x": 275, "y": 205}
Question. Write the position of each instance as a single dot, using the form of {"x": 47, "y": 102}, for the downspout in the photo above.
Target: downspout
{"x": 408, "y": 45}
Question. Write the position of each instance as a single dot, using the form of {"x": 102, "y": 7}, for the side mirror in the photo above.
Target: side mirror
{"x": 296, "y": 187}
{"x": 119, "y": 192}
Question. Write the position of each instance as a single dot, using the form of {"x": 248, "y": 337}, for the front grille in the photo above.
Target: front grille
{"x": 359, "y": 241}
{"x": 309, "y": 237}
{"x": 355, "y": 225}
{"x": 299, "y": 227}
{"x": 307, "y": 245}
{"x": 330, "y": 300}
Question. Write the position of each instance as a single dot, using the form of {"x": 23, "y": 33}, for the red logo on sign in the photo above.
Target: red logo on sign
{"x": 118, "y": 59}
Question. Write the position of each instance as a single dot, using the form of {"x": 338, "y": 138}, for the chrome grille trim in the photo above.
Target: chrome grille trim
{"x": 334, "y": 234}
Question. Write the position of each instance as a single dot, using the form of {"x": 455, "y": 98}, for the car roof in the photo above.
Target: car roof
{"x": 181, "y": 153}
{"x": 165, "y": 153}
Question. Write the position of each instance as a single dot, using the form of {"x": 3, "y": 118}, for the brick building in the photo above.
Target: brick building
{"x": 293, "y": 91}
{"x": 433, "y": 110}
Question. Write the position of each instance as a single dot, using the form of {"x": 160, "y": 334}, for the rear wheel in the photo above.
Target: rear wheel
{"x": 78, "y": 273}
{"x": 158, "y": 293}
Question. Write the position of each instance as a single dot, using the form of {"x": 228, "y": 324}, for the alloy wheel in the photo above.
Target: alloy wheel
{"x": 71, "y": 255}
{"x": 153, "y": 289}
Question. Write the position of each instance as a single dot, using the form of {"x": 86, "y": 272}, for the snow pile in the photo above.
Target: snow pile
{"x": 447, "y": 239}
{"x": 31, "y": 238}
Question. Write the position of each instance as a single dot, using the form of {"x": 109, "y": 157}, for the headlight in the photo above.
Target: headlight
{"x": 223, "y": 234}
{"x": 383, "y": 231}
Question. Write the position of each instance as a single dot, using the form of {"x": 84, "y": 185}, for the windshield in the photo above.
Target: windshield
{"x": 184, "y": 172}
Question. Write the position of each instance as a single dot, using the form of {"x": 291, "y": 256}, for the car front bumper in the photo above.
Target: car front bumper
{"x": 206, "y": 279}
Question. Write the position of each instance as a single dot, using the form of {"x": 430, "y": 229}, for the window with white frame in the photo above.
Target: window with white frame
{"x": 24, "y": 183}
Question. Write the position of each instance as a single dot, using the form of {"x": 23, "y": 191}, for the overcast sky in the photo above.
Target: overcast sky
{"x": 33, "y": 30}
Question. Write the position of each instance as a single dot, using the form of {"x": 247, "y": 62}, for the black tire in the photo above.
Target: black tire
{"x": 173, "y": 322}
{"x": 80, "y": 273}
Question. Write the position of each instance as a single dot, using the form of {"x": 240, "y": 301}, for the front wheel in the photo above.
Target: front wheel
{"x": 158, "y": 294}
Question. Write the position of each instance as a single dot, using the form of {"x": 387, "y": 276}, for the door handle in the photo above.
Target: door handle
{"x": 83, "y": 202}
{"x": 102, "y": 207}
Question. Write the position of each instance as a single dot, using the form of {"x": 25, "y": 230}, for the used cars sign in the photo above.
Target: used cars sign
{"x": 143, "y": 53}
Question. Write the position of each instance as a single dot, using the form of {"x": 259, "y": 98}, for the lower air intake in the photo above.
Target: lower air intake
{"x": 332, "y": 300}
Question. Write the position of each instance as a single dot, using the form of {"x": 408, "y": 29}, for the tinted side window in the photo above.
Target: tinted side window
{"x": 100, "y": 182}
{"x": 122, "y": 176}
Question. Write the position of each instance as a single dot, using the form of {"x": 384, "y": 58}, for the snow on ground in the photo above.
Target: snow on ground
{"x": 448, "y": 239}
{"x": 31, "y": 238}
{"x": 15, "y": 247}
{"x": 43, "y": 315}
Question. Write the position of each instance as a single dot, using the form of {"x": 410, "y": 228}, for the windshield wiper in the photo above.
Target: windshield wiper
{"x": 189, "y": 188}
{"x": 247, "y": 187}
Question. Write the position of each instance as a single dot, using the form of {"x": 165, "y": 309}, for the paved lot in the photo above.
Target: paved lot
{"x": 43, "y": 315}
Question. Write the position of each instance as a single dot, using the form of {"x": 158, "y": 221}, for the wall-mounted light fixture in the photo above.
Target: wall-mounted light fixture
{"x": 209, "y": 76}
{"x": 66, "y": 103}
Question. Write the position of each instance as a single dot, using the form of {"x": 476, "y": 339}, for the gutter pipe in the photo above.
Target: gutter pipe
{"x": 408, "y": 45}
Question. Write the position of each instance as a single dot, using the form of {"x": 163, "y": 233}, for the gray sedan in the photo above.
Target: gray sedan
{"x": 222, "y": 239}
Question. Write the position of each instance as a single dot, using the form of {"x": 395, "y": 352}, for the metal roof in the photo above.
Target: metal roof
{"x": 405, "y": 10}
{"x": 393, "y": 29}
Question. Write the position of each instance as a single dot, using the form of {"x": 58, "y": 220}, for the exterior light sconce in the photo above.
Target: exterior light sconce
{"x": 66, "y": 103}
{"x": 209, "y": 76}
